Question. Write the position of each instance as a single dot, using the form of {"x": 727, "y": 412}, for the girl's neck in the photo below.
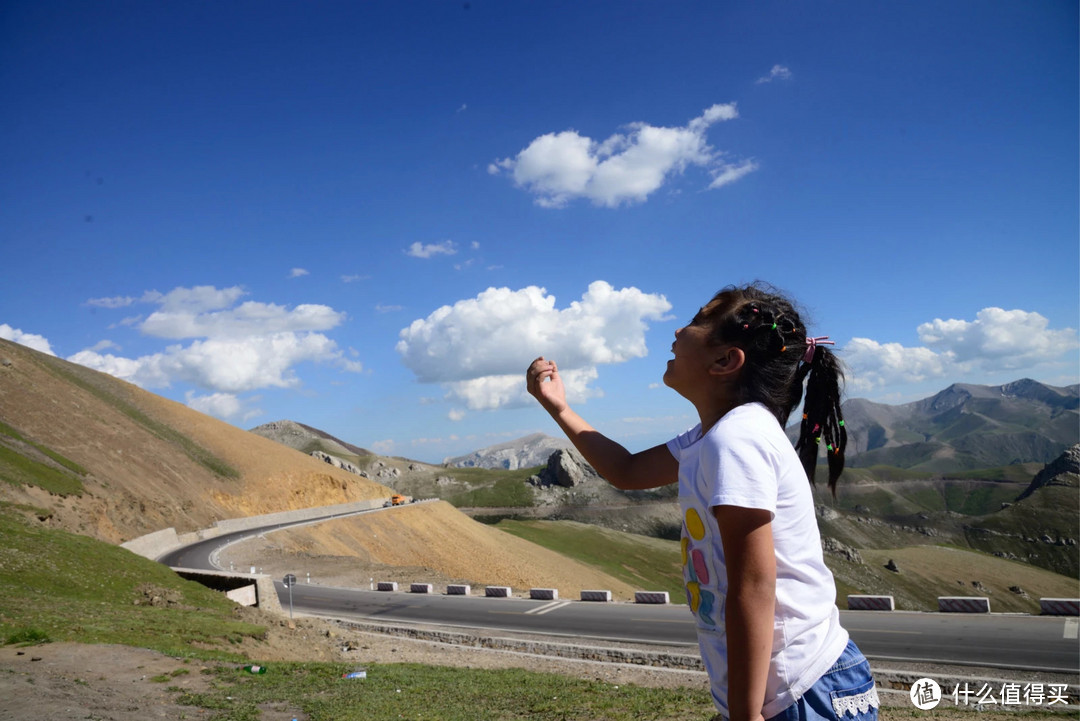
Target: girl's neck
{"x": 711, "y": 413}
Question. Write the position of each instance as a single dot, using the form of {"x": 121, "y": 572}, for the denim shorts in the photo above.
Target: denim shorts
{"x": 846, "y": 691}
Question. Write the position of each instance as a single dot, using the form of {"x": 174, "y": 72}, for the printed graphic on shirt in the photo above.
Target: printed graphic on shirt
{"x": 696, "y": 573}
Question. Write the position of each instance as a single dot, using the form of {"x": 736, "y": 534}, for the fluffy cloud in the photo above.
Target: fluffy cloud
{"x": 479, "y": 348}
{"x": 247, "y": 319}
{"x": 421, "y": 250}
{"x": 997, "y": 340}
{"x": 298, "y": 273}
{"x": 778, "y": 72}
{"x": 222, "y": 405}
{"x": 625, "y": 168}
{"x": 30, "y": 340}
{"x": 236, "y": 349}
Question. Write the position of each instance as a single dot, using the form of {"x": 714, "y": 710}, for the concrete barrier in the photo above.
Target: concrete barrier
{"x": 497, "y": 592}
{"x": 963, "y": 604}
{"x": 602, "y": 596}
{"x": 386, "y": 586}
{"x": 157, "y": 544}
{"x": 651, "y": 597}
{"x": 1060, "y": 606}
{"x": 871, "y": 603}
{"x": 245, "y": 596}
{"x": 420, "y": 588}
{"x": 458, "y": 589}
{"x": 266, "y": 596}
{"x": 153, "y": 545}
{"x": 544, "y": 594}
{"x": 230, "y": 525}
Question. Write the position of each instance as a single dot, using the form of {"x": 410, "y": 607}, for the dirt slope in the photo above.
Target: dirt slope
{"x": 142, "y": 453}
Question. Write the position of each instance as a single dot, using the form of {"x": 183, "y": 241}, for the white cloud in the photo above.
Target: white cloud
{"x": 479, "y": 347}
{"x": 354, "y": 278}
{"x": 223, "y": 364}
{"x": 997, "y": 340}
{"x": 116, "y": 302}
{"x": 221, "y": 405}
{"x": 254, "y": 345}
{"x": 455, "y": 414}
{"x": 249, "y": 318}
{"x": 778, "y": 72}
{"x": 123, "y": 301}
{"x": 421, "y": 250}
{"x": 298, "y": 273}
{"x": 726, "y": 174}
{"x": 199, "y": 299}
{"x": 30, "y": 340}
{"x": 104, "y": 345}
{"x": 382, "y": 308}
{"x": 384, "y": 448}
{"x": 625, "y": 168}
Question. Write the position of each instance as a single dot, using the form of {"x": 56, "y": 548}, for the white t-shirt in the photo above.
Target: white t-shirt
{"x": 746, "y": 460}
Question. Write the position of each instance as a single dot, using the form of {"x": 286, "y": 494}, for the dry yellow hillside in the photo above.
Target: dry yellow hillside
{"x": 435, "y": 541}
{"x": 143, "y": 478}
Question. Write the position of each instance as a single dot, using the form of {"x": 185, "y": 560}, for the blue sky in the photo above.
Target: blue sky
{"x": 369, "y": 217}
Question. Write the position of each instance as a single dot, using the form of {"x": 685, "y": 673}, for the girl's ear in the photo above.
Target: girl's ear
{"x": 728, "y": 361}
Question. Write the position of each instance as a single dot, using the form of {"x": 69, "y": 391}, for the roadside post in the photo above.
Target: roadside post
{"x": 289, "y": 581}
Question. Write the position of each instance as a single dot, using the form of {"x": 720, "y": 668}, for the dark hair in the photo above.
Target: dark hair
{"x": 766, "y": 326}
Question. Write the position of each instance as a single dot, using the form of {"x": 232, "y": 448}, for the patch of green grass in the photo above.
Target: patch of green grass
{"x": 66, "y": 463}
{"x": 196, "y": 452}
{"x": 59, "y": 586}
{"x": 648, "y": 564}
{"x": 493, "y": 489}
{"x": 18, "y": 470}
{"x": 26, "y": 637}
{"x": 447, "y": 694}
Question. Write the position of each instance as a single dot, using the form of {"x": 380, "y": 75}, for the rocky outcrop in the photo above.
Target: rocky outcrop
{"x": 836, "y": 548}
{"x": 339, "y": 463}
{"x": 566, "y": 468}
{"x": 532, "y": 450}
{"x": 1062, "y": 471}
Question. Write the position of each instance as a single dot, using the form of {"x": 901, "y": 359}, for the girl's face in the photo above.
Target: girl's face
{"x": 688, "y": 371}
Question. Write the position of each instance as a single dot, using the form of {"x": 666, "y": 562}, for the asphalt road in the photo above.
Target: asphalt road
{"x": 1043, "y": 643}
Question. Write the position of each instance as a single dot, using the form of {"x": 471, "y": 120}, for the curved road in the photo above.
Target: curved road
{"x": 1043, "y": 643}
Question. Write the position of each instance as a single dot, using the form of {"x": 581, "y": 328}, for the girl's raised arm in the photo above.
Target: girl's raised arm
{"x": 628, "y": 471}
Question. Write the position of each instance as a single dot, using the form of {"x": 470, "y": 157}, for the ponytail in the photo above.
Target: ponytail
{"x": 821, "y": 415}
{"x": 780, "y": 358}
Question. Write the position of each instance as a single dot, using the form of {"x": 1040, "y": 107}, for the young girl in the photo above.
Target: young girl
{"x": 761, "y": 595}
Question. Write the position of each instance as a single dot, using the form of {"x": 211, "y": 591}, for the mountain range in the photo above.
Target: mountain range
{"x": 965, "y": 427}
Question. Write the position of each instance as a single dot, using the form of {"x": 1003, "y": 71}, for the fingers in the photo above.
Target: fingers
{"x": 539, "y": 371}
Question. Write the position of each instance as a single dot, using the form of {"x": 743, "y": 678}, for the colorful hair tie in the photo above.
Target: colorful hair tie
{"x": 841, "y": 424}
{"x": 812, "y": 344}
{"x": 773, "y": 326}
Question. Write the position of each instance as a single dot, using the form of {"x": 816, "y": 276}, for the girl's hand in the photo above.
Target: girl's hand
{"x": 543, "y": 383}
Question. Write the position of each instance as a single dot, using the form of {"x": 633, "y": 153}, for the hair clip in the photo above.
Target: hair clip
{"x": 783, "y": 348}
{"x": 804, "y": 416}
{"x": 841, "y": 424}
{"x": 829, "y": 446}
{"x": 773, "y": 326}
